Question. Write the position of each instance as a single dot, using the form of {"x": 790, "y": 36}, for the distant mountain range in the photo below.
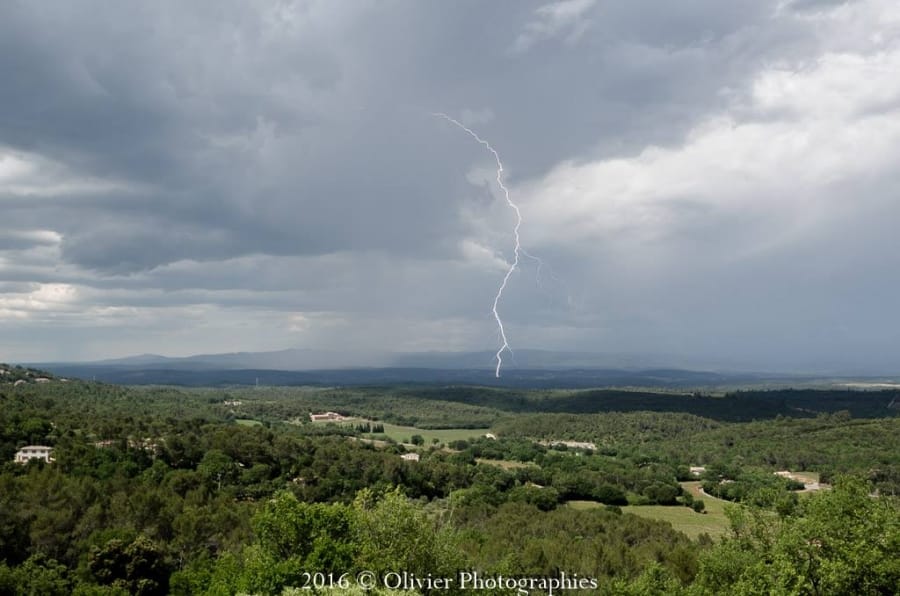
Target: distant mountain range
{"x": 307, "y": 360}
{"x": 529, "y": 368}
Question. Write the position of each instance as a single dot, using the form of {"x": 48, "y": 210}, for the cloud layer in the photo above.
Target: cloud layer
{"x": 713, "y": 182}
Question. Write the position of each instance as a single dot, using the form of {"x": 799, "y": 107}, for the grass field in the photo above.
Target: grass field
{"x": 403, "y": 434}
{"x": 444, "y": 435}
{"x": 247, "y": 422}
{"x": 713, "y": 522}
{"x": 684, "y": 519}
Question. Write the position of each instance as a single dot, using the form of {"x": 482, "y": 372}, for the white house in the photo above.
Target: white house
{"x": 327, "y": 416}
{"x": 410, "y": 457}
{"x": 30, "y": 452}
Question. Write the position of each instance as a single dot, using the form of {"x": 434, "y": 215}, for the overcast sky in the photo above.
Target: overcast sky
{"x": 712, "y": 181}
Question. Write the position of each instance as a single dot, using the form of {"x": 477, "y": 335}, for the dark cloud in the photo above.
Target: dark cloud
{"x": 246, "y": 161}
{"x": 310, "y": 134}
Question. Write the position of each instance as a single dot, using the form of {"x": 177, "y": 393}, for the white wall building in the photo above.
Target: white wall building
{"x": 30, "y": 452}
{"x": 327, "y": 416}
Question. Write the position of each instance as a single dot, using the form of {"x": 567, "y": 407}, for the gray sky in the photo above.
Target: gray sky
{"x": 716, "y": 181}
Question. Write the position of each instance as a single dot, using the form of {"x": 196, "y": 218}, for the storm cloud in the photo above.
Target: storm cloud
{"x": 715, "y": 181}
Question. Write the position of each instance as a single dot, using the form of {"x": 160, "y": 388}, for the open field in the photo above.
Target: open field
{"x": 403, "y": 434}
{"x": 713, "y": 505}
{"x": 712, "y": 522}
{"x": 684, "y": 519}
{"x": 583, "y": 505}
{"x": 247, "y": 422}
{"x": 443, "y": 435}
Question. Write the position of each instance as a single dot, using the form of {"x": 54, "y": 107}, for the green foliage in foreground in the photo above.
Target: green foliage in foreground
{"x": 294, "y": 538}
{"x": 841, "y": 541}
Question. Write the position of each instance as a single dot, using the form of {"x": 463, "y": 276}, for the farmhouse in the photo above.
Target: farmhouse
{"x": 410, "y": 457}
{"x": 30, "y": 452}
{"x": 327, "y": 416}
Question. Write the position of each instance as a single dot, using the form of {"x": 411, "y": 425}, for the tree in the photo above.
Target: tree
{"x": 292, "y": 537}
{"x": 394, "y": 534}
{"x": 138, "y": 566}
{"x": 656, "y": 580}
{"x": 544, "y": 498}
{"x": 663, "y": 494}
{"x": 37, "y": 575}
{"x": 217, "y": 468}
{"x": 610, "y": 495}
{"x": 838, "y": 542}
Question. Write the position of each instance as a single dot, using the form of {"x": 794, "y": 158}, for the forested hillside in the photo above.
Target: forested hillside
{"x": 159, "y": 490}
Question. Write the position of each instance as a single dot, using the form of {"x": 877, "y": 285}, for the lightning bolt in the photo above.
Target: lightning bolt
{"x": 518, "y": 250}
